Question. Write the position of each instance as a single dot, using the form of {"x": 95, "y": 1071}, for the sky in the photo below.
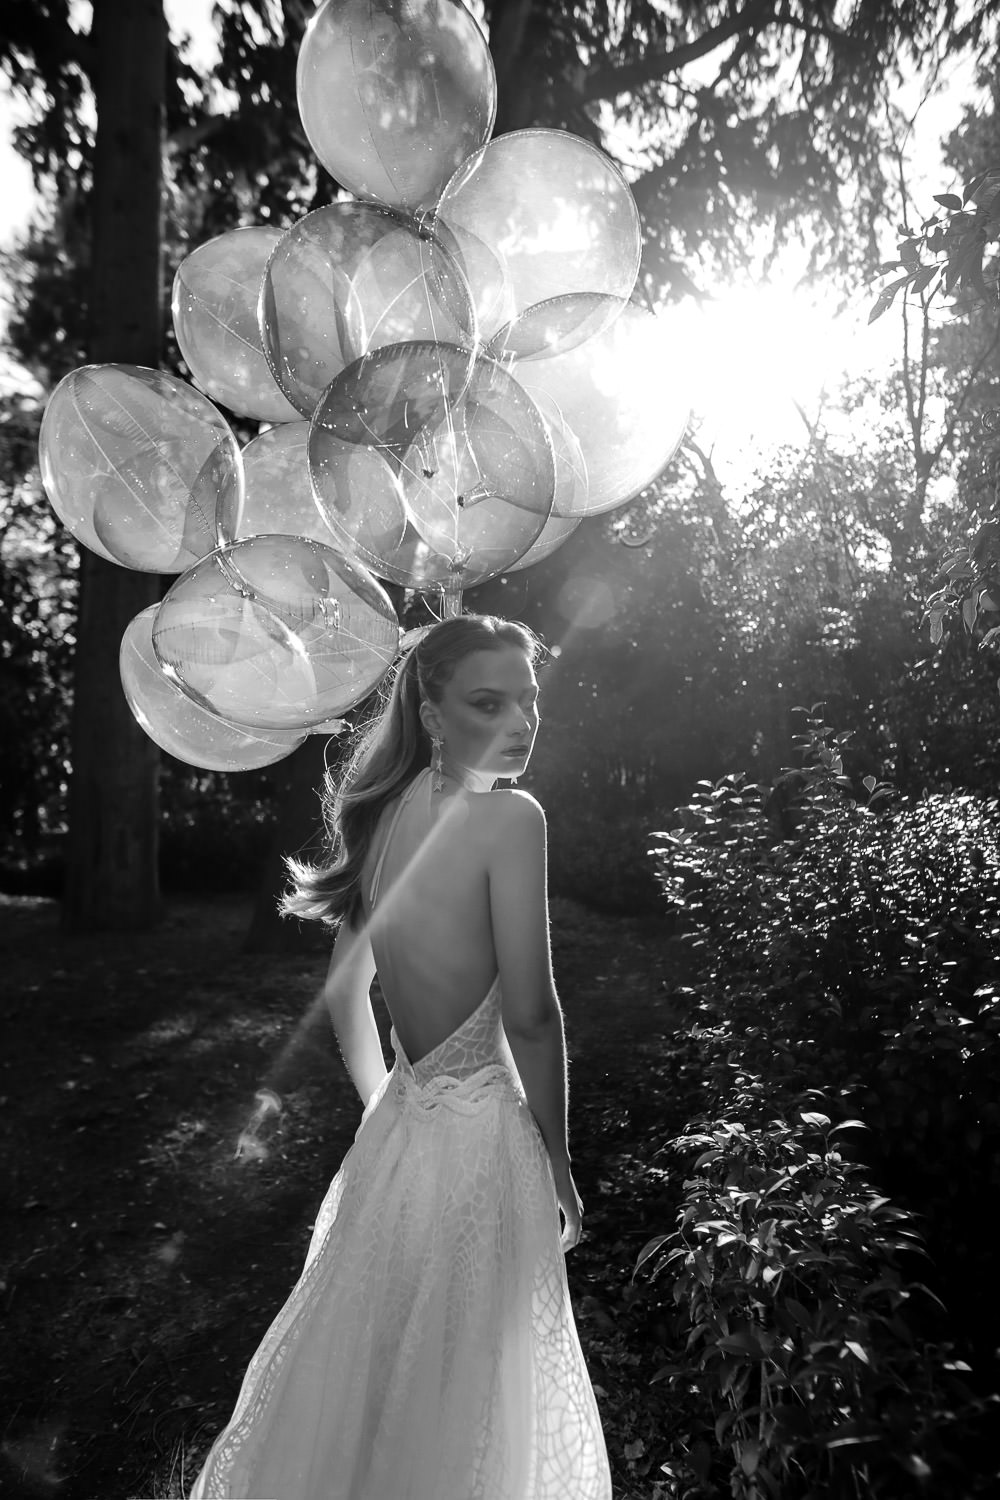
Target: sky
{"x": 750, "y": 356}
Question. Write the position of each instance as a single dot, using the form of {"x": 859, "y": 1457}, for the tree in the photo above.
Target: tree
{"x": 956, "y": 253}
{"x": 731, "y": 119}
{"x": 111, "y": 875}
{"x": 111, "y": 860}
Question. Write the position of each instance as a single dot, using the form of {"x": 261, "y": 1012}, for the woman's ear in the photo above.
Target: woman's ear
{"x": 430, "y": 718}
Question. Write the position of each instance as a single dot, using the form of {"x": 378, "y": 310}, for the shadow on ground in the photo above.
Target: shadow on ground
{"x": 143, "y": 1258}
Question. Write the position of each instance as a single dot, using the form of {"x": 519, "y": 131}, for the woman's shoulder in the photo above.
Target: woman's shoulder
{"x": 511, "y": 804}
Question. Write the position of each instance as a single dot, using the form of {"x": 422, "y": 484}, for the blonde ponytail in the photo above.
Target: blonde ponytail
{"x": 392, "y": 749}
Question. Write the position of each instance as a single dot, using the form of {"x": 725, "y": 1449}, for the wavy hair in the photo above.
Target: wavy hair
{"x": 393, "y": 747}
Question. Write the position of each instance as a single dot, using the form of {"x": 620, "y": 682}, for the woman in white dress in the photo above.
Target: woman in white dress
{"x": 428, "y": 1350}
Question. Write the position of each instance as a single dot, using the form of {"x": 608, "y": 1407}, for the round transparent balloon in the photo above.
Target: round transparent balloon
{"x": 214, "y": 307}
{"x": 277, "y": 633}
{"x": 557, "y": 529}
{"x": 348, "y": 279}
{"x": 465, "y": 495}
{"x": 623, "y": 393}
{"x": 393, "y": 97}
{"x": 569, "y": 501}
{"x": 555, "y": 326}
{"x": 571, "y": 495}
{"x": 359, "y": 497}
{"x": 135, "y": 464}
{"x": 386, "y": 399}
{"x": 555, "y": 210}
{"x": 483, "y": 271}
{"x": 277, "y": 491}
{"x": 180, "y": 726}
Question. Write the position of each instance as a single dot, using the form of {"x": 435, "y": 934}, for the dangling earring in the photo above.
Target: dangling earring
{"x": 437, "y": 768}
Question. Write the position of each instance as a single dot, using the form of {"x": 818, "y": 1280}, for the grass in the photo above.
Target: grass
{"x": 142, "y": 1258}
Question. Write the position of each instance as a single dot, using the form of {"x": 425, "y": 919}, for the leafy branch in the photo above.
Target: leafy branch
{"x": 957, "y": 238}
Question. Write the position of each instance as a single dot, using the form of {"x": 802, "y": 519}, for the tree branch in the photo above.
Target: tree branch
{"x": 610, "y": 79}
{"x": 715, "y": 500}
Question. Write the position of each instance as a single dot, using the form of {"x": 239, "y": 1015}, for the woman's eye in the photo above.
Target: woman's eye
{"x": 488, "y": 706}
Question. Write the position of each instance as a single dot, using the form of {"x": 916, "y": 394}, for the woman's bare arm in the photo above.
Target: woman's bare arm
{"x": 532, "y": 1015}
{"x": 348, "y": 997}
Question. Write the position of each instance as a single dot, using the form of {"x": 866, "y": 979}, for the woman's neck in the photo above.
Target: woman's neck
{"x": 466, "y": 776}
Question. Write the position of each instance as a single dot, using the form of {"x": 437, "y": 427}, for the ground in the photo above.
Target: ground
{"x": 153, "y": 1227}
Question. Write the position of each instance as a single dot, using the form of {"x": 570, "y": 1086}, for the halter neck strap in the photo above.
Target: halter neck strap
{"x": 404, "y": 799}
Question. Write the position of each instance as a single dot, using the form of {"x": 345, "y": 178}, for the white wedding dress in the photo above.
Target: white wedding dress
{"x": 428, "y": 1351}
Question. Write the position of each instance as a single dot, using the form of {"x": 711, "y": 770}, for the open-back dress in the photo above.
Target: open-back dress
{"x": 428, "y": 1350}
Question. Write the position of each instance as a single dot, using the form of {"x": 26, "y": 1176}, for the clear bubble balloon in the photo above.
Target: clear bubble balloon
{"x": 277, "y": 633}
{"x": 348, "y": 279}
{"x": 571, "y": 496}
{"x": 386, "y": 399}
{"x": 214, "y": 307}
{"x": 569, "y": 500}
{"x": 359, "y": 497}
{"x": 557, "y": 529}
{"x": 554, "y": 209}
{"x": 555, "y": 326}
{"x": 394, "y": 96}
{"x": 277, "y": 492}
{"x": 622, "y": 393}
{"x": 483, "y": 272}
{"x": 179, "y": 725}
{"x": 462, "y": 493}
{"x": 135, "y": 464}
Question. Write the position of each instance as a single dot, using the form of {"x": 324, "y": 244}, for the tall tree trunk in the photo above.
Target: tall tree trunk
{"x": 112, "y": 879}
{"x": 511, "y": 24}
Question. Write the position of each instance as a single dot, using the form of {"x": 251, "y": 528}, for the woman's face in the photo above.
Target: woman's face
{"x": 488, "y": 712}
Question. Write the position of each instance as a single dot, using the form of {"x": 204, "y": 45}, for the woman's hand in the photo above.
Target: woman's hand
{"x": 570, "y": 1206}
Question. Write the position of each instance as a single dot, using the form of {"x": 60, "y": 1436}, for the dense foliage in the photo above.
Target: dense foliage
{"x": 735, "y": 128}
{"x": 845, "y": 1002}
{"x": 801, "y": 1360}
{"x": 37, "y": 608}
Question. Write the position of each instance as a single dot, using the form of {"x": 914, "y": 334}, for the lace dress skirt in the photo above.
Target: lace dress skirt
{"x": 428, "y": 1350}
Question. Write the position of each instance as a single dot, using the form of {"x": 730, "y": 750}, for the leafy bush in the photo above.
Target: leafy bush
{"x": 802, "y": 1374}
{"x": 844, "y": 951}
{"x": 854, "y": 948}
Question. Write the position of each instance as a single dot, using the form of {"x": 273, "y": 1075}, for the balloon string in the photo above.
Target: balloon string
{"x": 451, "y": 600}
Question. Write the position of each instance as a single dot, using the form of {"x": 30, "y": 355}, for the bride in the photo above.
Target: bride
{"x": 428, "y": 1350}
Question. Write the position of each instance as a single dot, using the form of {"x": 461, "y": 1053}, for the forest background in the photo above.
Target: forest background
{"x": 840, "y": 919}
{"x": 688, "y": 627}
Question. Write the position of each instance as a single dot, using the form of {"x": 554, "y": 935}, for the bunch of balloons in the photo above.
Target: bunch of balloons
{"x": 449, "y": 372}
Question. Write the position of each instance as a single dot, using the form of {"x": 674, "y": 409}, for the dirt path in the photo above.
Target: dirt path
{"x": 141, "y": 1260}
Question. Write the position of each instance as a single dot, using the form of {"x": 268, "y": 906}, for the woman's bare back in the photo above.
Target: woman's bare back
{"x": 431, "y": 932}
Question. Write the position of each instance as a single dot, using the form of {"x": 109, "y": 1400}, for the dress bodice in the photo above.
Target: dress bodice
{"x": 471, "y": 1065}
{"x": 474, "y": 1044}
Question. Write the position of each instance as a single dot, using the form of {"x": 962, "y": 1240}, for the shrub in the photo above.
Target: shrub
{"x": 792, "y": 1311}
{"x": 844, "y": 950}
{"x": 856, "y": 948}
